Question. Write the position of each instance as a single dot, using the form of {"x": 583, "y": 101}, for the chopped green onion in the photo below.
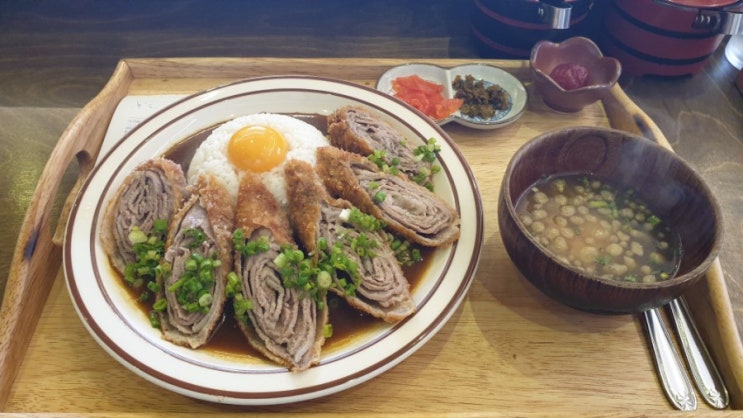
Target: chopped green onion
{"x": 154, "y": 319}
{"x": 364, "y": 221}
{"x": 241, "y": 305}
{"x": 598, "y": 204}
{"x": 160, "y": 305}
{"x": 603, "y": 260}
{"x": 154, "y": 287}
{"x": 364, "y": 246}
{"x": 176, "y": 285}
{"x": 327, "y": 330}
{"x": 281, "y": 260}
{"x": 206, "y": 300}
{"x": 197, "y": 237}
{"x": 405, "y": 252}
{"x": 255, "y": 246}
{"x": 196, "y": 282}
{"x": 428, "y": 151}
{"x": 324, "y": 280}
{"x": 233, "y": 284}
{"x": 136, "y": 236}
{"x": 160, "y": 226}
{"x": 379, "y": 197}
{"x": 148, "y": 252}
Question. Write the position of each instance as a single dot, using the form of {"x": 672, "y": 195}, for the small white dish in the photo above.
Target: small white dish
{"x": 445, "y": 77}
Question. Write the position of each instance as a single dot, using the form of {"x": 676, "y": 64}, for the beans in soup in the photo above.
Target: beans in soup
{"x": 596, "y": 228}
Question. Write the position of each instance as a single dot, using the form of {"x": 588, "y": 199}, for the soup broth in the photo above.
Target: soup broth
{"x": 592, "y": 226}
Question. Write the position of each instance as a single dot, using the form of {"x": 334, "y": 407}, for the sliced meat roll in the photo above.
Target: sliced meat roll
{"x": 357, "y": 130}
{"x": 285, "y": 324}
{"x": 410, "y": 210}
{"x": 199, "y": 253}
{"x": 155, "y": 190}
{"x": 378, "y": 284}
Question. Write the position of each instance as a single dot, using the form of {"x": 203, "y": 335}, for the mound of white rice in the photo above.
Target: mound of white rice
{"x": 302, "y": 140}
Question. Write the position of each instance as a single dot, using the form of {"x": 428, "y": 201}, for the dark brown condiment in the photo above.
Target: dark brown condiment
{"x": 480, "y": 101}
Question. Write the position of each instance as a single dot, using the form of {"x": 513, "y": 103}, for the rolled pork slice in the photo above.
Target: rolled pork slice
{"x": 155, "y": 190}
{"x": 202, "y": 226}
{"x": 358, "y": 130}
{"x": 409, "y": 209}
{"x": 284, "y": 324}
{"x": 383, "y": 291}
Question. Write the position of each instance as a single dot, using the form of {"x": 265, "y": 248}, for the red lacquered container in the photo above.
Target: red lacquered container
{"x": 668, "y": 37}
{"x": 510, "y": 28}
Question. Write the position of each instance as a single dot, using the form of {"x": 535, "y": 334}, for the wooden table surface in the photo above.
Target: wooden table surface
{"x": 56, "y": 56}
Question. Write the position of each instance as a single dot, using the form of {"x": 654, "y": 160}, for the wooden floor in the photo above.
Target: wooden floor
{"x": 60, "y": 53}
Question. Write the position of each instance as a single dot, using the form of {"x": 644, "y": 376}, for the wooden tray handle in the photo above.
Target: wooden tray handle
{"x": 38, "y": 253}
{"x": 716, "y": 324}
{"x": 625, "y": 115}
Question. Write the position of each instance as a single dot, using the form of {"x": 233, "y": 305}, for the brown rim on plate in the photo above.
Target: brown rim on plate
{"x": 81, "y": 215}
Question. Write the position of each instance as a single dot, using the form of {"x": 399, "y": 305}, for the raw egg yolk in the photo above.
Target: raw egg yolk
{"x": 256, "y": 148}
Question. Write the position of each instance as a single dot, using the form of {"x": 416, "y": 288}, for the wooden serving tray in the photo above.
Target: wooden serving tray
{"x": 508, "y": 350}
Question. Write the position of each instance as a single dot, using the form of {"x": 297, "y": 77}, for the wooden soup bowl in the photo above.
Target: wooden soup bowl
{"x": 667, "y": 184}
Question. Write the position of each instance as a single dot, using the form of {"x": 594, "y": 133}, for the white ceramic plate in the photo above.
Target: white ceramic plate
{"x": 123, "y": 330}
{"x": 444, "y": 77}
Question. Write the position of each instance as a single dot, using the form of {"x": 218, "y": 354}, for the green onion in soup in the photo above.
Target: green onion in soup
{"x": 599, "y": 229}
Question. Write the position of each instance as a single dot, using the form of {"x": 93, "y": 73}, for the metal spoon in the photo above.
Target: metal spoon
{"x": 703, "y": 369}
{"x": 673, "y": 376}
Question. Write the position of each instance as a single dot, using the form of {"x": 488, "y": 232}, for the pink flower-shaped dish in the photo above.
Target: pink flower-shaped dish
{"x": 572, "y": 74}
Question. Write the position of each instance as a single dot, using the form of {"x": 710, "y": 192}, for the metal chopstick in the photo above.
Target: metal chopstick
{"x": 703, "y": 370}
{"x": 672, "y": 374}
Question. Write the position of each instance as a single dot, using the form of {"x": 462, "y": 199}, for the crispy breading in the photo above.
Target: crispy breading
{"x": 362, "y": 131}
{"x": 306, "y": 193}
{"x": 257, "y": 207}
{"x": 120, "y": 252}
{"x": 209, "y": 198}
{"x": 342, "y": 136}
{"x": 258, "y": 211}
{"x": 409, "y": 210}
{"x": 384, "y": 291}
{"x": 221, "y": 213}
{"x": 334, "y": 168}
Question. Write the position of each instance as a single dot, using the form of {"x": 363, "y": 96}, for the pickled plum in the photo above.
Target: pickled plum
{"x": 570, "y": 76}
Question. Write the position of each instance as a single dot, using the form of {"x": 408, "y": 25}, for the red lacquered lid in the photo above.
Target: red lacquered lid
{"x": 702, "y": 4}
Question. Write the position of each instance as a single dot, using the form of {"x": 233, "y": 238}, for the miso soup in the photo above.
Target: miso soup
{"x": 594, "y": 227}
